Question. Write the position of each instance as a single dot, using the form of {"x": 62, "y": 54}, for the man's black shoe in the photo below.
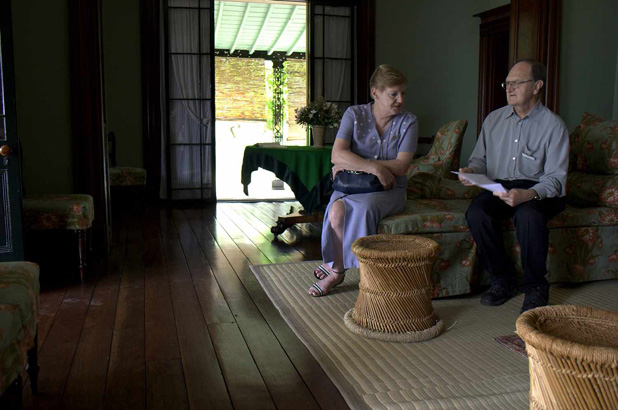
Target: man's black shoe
{"x": 497, "y": 295}
{"x": 535, "y": 297}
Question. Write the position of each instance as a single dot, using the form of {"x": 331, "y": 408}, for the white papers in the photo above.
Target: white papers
{"x": 482, "y": 181}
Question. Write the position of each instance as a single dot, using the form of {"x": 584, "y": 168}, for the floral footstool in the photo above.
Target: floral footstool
{"x": 127, "y": 176}
{"x": 127, "y": 186}
{"x": 72, "y": 211}
{"x": 19, "y": 306}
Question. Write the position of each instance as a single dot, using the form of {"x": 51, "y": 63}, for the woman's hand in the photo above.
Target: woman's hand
{"x": 336, "y": 169}
{"x": 386, "y": 177}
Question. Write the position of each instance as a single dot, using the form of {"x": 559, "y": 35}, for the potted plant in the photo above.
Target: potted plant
{"x": 318, "y": 115}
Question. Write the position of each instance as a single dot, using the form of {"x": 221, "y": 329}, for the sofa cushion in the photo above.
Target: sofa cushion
{"x": 19, "y": 286}
{"x": 13, "y": 346}
{"x": 594, "y": 146}
{"x": 585, "y": 189}
{"x": 441, "y": 216}
{"x": 574, "y": 217}
{"x": 443, "y": 157}
{"x": 430, "y": 186}
{"x": 428, "y": 216}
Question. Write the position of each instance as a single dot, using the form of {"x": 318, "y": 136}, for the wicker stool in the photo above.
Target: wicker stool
{"x": 394, "y": 299}
{"x": 573, "y": 357}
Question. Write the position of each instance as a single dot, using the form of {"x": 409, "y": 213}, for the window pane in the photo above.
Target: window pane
{"x": 183, "y": 31}
{"x": 184, "y": 76}
{"x": 208, "y": 193}
{"x": 338, "y": 11}
{"x": 205, "y": 31}
{"x": 186, "y": 194}
{"x": 185, "y": 122}
{"x": 206, "y": 169}
{"x": 337, "y": 78}
{"x": 185, "y": 166}
{"x": 318, "y": 77}
{"x": 318, "y": 46}
{"x": 205, "y": 80}
{"x": 207, "y": 125}
{"x": 338, "y": 44}
{"x": 182, "y": 3}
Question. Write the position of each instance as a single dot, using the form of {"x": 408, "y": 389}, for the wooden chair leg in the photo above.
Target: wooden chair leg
{"x": 81, "y": 249}
{"x": 33, "y": 365}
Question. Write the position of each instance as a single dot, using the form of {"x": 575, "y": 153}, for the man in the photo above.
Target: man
{"x": 525, "y": 147}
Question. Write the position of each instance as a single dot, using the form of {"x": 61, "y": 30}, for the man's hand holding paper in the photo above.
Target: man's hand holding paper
{"x": 481, "y": 180}
{"x": 516, "y": 196}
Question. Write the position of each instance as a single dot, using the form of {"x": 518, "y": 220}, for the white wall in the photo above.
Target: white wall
{"x": 42, "y": 86}
{"x": 436, "y": 43}
{"x": 588, "y": 60}
{"x": 123, "y": 78}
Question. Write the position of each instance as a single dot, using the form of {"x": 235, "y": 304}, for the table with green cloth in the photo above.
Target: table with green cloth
{"x": 305, "y": 169}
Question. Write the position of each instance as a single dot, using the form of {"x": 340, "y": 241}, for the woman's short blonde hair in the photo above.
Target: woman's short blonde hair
{"x": 387, "y": 76}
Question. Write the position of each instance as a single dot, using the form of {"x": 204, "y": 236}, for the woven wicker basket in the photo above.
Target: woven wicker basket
{"x": 573, "y": 357}
{"x": 395, "y": 286}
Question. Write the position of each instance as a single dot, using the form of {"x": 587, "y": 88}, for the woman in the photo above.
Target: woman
{"x": 378, "y": 138}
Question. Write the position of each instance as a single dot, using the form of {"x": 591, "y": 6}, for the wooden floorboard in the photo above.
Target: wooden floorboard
{"x": 263, "y": 228}
{"x": 126, "y": 384}
{"x": 283, "y": 381}
{"x": 174, "y": 318}
{"x": 87, "y": 378}
{"x": 244, "y": 381}
{"x": 204, "y": 381}
{"x": 312, "y": 374}
{"x": 165, "y": 386}
{"x": 56, "y": 354}
{"x": 160, "y": 325}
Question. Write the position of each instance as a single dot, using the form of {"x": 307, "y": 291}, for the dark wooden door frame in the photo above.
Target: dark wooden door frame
{"x": 495, "y": 24}
{"x": 534, "y": 28}
{"x": 366, "y": 49}
{"x": 363, "y": 47}
{"x": 151, "y": 93}
{"x": 90, "y": 165}
{"x": 535, "y": 34}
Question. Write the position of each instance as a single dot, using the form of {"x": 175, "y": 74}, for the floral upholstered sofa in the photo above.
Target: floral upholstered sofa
{"x": 19, "y": 308}
{"x": 583, "y": 238}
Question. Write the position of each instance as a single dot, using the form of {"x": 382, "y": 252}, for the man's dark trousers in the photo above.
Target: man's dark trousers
{"x": 485, "y": 216}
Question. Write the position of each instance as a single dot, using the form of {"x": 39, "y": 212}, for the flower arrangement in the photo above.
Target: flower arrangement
{"x": 318, "y": 112}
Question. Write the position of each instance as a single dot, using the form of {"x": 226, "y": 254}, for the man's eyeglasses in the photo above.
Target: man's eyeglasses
{"x": 513, "y": 84}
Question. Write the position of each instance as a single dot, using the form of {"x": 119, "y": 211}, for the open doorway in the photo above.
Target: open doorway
{"x": 260, "y": 79}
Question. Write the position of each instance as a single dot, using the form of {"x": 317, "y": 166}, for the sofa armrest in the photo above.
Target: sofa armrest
{"x": 429, "y": 186}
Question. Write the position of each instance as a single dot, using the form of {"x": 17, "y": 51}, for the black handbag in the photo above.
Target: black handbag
{"x": 356, "y": 182}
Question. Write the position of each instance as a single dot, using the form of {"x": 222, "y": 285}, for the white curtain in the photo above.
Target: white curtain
{"x": 333, "y": 57}
{"x": 189, "y": 110}
{"x": 338, "y": 45}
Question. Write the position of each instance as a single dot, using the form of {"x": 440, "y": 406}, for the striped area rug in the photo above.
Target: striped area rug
{"x": 464, "y": 368}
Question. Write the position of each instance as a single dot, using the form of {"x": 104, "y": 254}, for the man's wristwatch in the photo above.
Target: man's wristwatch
{"x": 536, "y": 195}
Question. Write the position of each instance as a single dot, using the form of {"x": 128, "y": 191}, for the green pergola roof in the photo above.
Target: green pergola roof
{"x": 260, "y": 26}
